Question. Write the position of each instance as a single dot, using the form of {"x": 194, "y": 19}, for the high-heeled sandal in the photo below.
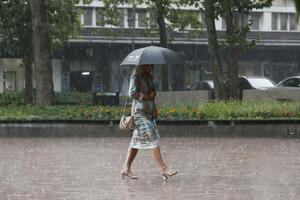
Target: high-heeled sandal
{"x": 170, "y": 173}
{"x": 128, "y": 174}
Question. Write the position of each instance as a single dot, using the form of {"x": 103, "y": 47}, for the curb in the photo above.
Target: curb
{"x": 169, "y": 128}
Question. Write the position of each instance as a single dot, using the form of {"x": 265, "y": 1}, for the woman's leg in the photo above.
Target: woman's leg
{"x": 158, "y": 157}
{"x": 161, "y": 163}
{"x": 131, "y": 154}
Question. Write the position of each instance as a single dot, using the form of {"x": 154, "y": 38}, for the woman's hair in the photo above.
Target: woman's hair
{"x": 138, "y": 70}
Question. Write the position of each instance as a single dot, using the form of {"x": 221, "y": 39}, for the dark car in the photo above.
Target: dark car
{"x": 203, "y": 85}
{"x": 293, "y": 81}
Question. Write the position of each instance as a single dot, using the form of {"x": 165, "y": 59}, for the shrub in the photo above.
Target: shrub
{"x": 12, "y": 98}
{"x": 73, "y": 98}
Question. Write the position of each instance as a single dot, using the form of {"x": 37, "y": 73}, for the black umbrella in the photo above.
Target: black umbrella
{"x": 152, "y": 55}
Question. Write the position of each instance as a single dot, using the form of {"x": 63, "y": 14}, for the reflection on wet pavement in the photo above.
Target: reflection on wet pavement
{"x": 209, "y": 168}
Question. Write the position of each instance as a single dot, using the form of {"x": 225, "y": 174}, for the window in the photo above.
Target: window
{"x": 100, "y": 20}
{"x": 202, "y": 19}
{"x": 153, "y": 19}
{"x": 283, "y": 3}
{"x": 284, "y": 21}
{"x": 185, "y": 19}
{"x": 255, "y": 18}
{"x": 88, "y": 17}
{"x": 197, "y": 19}
{"x": 116, "y": 20}
{"x": 130, "y": 17}
{"x": 223, "y": 24}
{"x": 240, "y": 19}
{"x": 289, "y": 83}
{"x": 297, "y": 82}
{"x": 142, "y": 18}
{"x": 293, "y": 20}
{"x": 274, "y": 21}
{"x": 81, "y": 82}
{"x": 120, "y": 19}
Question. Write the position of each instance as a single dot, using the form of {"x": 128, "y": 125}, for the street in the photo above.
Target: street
{"x": 209, "y": 169}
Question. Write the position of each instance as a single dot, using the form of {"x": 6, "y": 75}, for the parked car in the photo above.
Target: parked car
{"x": 203, "y": 85}
{"x": 251, "y": 82}
{"x": 293, "y": 81}
{"x": 245, "y": 82}
{"x": 255, "y": 82}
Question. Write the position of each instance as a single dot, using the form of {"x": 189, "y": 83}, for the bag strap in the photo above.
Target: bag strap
{"x": 125, "y": 106}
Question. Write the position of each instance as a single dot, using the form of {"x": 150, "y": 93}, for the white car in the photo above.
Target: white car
{"x": 255, "y": 82}
{"x": 293, "y": 81}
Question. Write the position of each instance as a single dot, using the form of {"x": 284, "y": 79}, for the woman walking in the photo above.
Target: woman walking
{"x": 145, "y": 136}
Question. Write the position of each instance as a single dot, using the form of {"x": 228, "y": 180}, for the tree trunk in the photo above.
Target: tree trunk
{"x": 41, "y": 51}
{"x": 28, "y": 61}
{"x": 213, "y": 49}
{"x": 163, "y": 42}
{"x": 234, "y": 92}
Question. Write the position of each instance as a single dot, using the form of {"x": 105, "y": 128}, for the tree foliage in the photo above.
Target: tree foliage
{"x": 236, "y": 7}
{"x": 15, "y": 26}
{"x": 297, "y": 6}
{"x": 16, "y": 30}
{"x": 168, "y": 16}
{"x": 235, "y": 36}
{"x": 213, "y": 48}
{"x": 175, "y": 16}
{"x": 15, "y": 23}
{"x": 16, "y": 34}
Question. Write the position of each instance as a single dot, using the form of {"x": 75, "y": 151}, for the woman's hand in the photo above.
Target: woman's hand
{"x": 149, "y": 96}
{"x": 152, "y": 94}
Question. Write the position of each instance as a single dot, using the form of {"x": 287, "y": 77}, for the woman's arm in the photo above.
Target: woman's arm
{"x": 133, "y": 91}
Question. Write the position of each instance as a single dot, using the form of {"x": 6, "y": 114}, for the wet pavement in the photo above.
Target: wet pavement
{"x": 209, "y": 169}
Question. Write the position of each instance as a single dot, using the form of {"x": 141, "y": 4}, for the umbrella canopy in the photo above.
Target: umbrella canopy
{"x": 152, "y": 55}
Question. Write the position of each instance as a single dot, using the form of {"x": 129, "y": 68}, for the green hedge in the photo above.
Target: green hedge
{"x": 18, "y": 98}
{"x": 12, "y": 98}
{"x": 212, "y": 110}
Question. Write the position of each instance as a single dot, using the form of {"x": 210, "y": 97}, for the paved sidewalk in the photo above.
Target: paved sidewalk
{"x": 209, "y": 169}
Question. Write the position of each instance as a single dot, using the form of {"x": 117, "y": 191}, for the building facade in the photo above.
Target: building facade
{"x": 91, "y": 63}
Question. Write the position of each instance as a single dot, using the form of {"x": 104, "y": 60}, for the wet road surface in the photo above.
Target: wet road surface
{"x": 209, "y": 169}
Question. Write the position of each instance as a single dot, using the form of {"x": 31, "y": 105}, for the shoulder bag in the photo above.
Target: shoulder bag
{"x": 126, "y": 122}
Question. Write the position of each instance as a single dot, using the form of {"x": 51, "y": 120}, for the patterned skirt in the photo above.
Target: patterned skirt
{"x": 145, "y": 136}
